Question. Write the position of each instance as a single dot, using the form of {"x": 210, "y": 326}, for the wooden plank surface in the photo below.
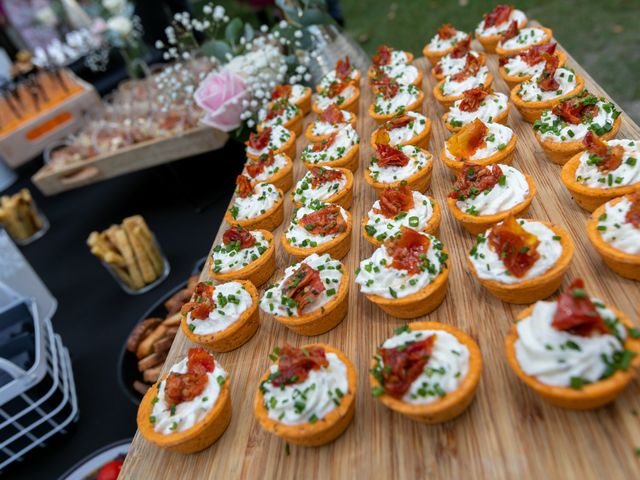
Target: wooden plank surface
{"x": 508, "y": 432}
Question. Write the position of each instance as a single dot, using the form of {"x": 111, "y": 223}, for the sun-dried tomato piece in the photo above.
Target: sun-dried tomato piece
{"x": 326, "y": 221}
{"x": 343, "y": 69}
{"x": 472, "y": 98}
{"x": 281, "y": 91}
{"x": 256, "y": 167}
{"x": 394, "y": 200}
{"x": 534, "y": 55}
{"x": 402, "y": 365}
{"x": 244, "y": 187}
{"x": 184, "y": 387}
{"x": 320, "y": 176}
{"x": 517, "y": 248}
{"x": 470, "y": 69}
{"x": 242, "y": 236}
{"x": 468, "y": 140}
{"x": 474, "y": 179}
{"x": 497, "y": 16}
{"x": 259, "y": 140}
{"x": 277, "y": 108}
{"x": 336, "y": 88}
{"x": 202, "y": 303}
{"x": 382, "y": 56}
{"x": 325, "y": 143}
{"x": 607, "y": 158}
{"x": 304, "y": 286}
{"x": 408, "y": 250}
{"x": 386, "y": 85}
{"x": 633, "y": 214}
{"x": 399, "y": 121}
{"x": 446, "y": 31}
{"x": 577, "y": 109}
{"x": 294, "y": 364}
{"x": 200, "y": 361}
{"x": 461, "y": 48}
{"x": 332, "y": 114}
{"x": 576, "y": 313}
{"x": 547, "y": 80}
{"x": 511, "y": 32}
{"x": 390, "y": 156}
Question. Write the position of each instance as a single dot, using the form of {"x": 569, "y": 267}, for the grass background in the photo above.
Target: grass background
{"x": 602, "y": 35}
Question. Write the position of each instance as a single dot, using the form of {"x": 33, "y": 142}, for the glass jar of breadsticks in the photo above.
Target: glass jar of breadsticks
{"x": 130, "y": 252}
{"x": 21, "y": 217}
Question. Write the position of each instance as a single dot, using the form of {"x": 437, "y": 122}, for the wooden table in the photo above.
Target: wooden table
{"x": 508, "y": 432}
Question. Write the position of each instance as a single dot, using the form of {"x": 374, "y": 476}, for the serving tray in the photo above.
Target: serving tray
{"x": 508, "y": 432}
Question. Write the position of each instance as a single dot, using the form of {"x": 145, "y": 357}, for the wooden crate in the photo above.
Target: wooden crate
{"x": 508, "y": 432}
{"x": 51, "y": 181}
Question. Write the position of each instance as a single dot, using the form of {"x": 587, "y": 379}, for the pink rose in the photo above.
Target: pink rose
{"x": 220, "y": 95}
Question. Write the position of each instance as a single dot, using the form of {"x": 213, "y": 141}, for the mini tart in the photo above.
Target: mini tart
{"x": 432, "y": 227}
{"x": 282, "y": 179}
{"x": 304, "y": 103}
{"x": 371, "y": 72}
{"x": 288, "y": 148}
{"x": 561, "y": 152}
{"x": 337, "y": 247}
{"x": 350, "y": 105}
{"x": 354, "y": 77}
{"x": 269, "y": 220}
{"x": 236, "y": 334}
{"x": 531, "y": 111}
{"x": 453, "y": 403}
{"x": 202, "y": 435}
{"x": 476, "y": 224}
{"x": 258, "y": 271}
{"x": 515, "y": 80}
{"x": 420, "y": 181}
{"x": 318, "y": 138}
{"x": 490, "y": 42}
{"x": 537, "y": 288}
{"x": 590, "y": 198}
{"x": 350, "y": 160}
{"x": 434, "y": 56}
{"x": 590, "y": 396}
{"x": 343, "y": 197}
{"x": 504, "y": 156}
{"x": 502, "y": 118}
{"x": 327, "y": 428}
{"x": 420, "y": 140}
{"x": 624, "y": 264}
{"x": 416, "y": 106}
{"x": 548, "y": 35}
{"x": 447, "y": 100}
{"x": 416, "y": 81}
{"x": 294, "y": 123}
{"x": 440, "y": 76}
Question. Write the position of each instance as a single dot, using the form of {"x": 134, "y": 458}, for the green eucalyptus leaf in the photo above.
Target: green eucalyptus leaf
{"x": 290, "y": 12}
{"x": 248, "y": 32}
{"x": 216, "y": 48}
{"x": 315, "y": 17}
{"x": 234, "y": 30}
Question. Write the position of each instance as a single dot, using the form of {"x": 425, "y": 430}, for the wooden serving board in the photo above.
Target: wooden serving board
{"x": 508, "y": 432}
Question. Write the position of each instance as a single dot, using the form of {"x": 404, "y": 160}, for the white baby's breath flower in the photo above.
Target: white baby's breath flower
{"x": 207, "y": 9}
{"x": 250, "y": 123}
{"x": 264, "y": 28}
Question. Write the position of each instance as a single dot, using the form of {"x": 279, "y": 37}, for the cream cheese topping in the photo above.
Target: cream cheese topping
{"x": 489, "y": 265}
{"x": 381, "y": 227}
{"x": 230, "y": 258}
{"x": 530, "y": 91}
{"x": 278, "y": 137}
{"x": 345, "y": 140}
{"x": 450, "y": 66}
{"x": 438, "y": 44}
{"x": 305, "y": 193}
{"x": 320, "y": 128}
{"x": 264, "y": 198}
{"x": 496, "y": 140}
{"x": 418, "y": 160}
{"x": 311, "y": 400}
{"x": 323, "y": 100}
{"x": 516, "y": 15}
{"x": 298, "y": 92}
{"x": 279, "y": 162}
{"x": 409, "y": 131}
{"x": 445, "y": 370}
{"x": 330, "y": 271}
{"x": 492, "y": 106}
{"x": 289, "y": 113}
{"x": 628, "y": 173}
{"x": 517, "y": 67}
{"x": 231, "y": 300}
{"x": 616, "y": 231}
{"x": 451, "y": 88}
{"x": 526, "y": 38}
{"x": 298, "y": 236}
{"x": 330, "y": 77}
{"x": 376, "y": 276}
{"x": 186, "y": 414}
{"x": 401, "y": 72}
{"x": 555, "y": 357}
{"x": 552, "y": 128}
{"x": 407, "y": 95}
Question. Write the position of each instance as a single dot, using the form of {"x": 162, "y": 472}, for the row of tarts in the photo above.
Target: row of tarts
{"x": 575, "y": 351}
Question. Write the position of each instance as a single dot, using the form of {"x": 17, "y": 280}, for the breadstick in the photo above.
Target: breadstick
{"x": 142, "y": 259}
{"x": 151, "y": 250}
{"x": 146, "y": 346}
{"x": 122, "y": 243}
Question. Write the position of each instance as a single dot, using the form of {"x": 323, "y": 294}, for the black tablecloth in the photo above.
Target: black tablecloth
{"x": 183, "y": 203}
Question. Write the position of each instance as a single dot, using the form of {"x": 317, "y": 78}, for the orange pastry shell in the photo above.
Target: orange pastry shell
{"x": 515, "y": 80}
{"x": 447, "y": 100}
{"x": 350, "y": 105}
{"x": 419, "y": 181}
{"x": 288, "y": 148}
{"x": 282, "y": 179}
{"x": 531, "y": 111}
{"x": 350, "y": 160}
{"x": 490, "y": 42}
{"x": 416, "y": 106}
{"x": 502, "y": 118}
{"x": 548, "y": 35}
{"x": 269, "y": 220}
{"x": 318, "y": 138}
{"x": 421, "y": 140}
{"x": 501, "y": 156}
{"x": 343, "y": 197}
{"x": 482, "y": 58}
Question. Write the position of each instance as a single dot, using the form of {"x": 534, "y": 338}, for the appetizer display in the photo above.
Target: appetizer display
{"x": 561, "y": 130}
{"x": 277, "y": 139}
{"x": 546, "y": 90}
{"x": 276, "y": 169}
{"x": 402, "y": 165}
{"x": 188, "y": 409}
{"x": 480, "y": 144}
{"x": 331, "y": 120}
{"x": 311, "y": 298}
{"x": 495, "y": 23}
{"x": 523, "y": 66}
{"x": 318, "y": 227}
{"x": 299, "y": 95}
{"x": 393, "y": 98}
{"x": 455, "y": 61}
{"x": 407, "y": 275}
{"x": 345, "y": 95}
{"x": 281, "y": 112}
{"x": 386, "y": 56}
{"x": 443, "y": 42}
{"x": 395, "y": 64}
{"x": 20, "y": 216}
{"x": 604, "y": 171}
{"x": 244, "y": 255}
{"x": 324, "y": 184}
{"x": 472, "y": 75}
{"x": 521, "y": 261}
{"x": 307, "y": 397}
{"x": 477, "y": 103}
{"x": 516, "y": 40}
{"x": 485, "y": 195}
{"x": 340, "y": 149}
{"x": 131, "y": 253}
{"x": 221, "y": 317}
{"x": 399, "y": 207}
{"x": 427, "y": 371}
{"x": 614, "y": 231}
{"x": 256, "y": 207}
{"x": 411, "y": 128}
{"x": 344, "y": 72}
{"x": 576, "y": 352}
